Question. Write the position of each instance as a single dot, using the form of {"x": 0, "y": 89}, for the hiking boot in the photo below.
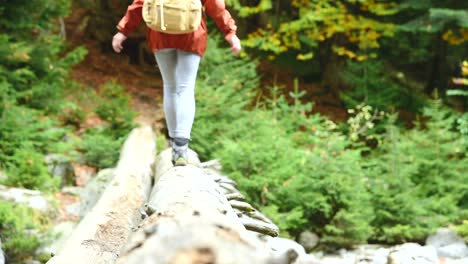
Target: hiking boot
{"x": 179, "y": 151}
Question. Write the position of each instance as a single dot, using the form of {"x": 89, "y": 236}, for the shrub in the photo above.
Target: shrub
{"x": 33, "y": 74}
{"x": 101, "y": 150}
{"x": 25, "y": 135}
{"x": 417, "y": 178}
{"x": 19, "y": 228}
{"x": 305, "y": 173}
{"x": 101, "y": 145}
{"x": 292, "y": 164}
{"x": 27, "y": 169}
{"x": 114, "y": 108}
{"x": 372, "y": 84}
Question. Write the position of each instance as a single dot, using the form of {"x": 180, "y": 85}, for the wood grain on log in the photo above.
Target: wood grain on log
{"x": 103, "y": 232}
{"x": 192, "y": 222}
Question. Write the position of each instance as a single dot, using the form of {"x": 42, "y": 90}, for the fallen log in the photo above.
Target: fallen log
{"x": 193, "y": 222}
{"x": 104, "y": 231}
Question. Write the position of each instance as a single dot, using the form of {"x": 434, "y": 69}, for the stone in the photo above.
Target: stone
{"x": 94, "y": 189}
{"x": 32, "y": 262}
{"x": 448, "y": 244}
{"x": 455, "y": 261}
{"x": 335, "y": 259}
{"x": 59, "y": 234}
{"x": 455, "y": 250}
{"x": 32, "y": 198}
{"x": 443, "y": 237}
{"x": 60, "y": 167}
{"x": 371, "y": 254}
{"x": 2, "y": 255}
{"x": 281, "y": 245}
{"x": 412, "y": 253}
{"x": 308, "y": 240}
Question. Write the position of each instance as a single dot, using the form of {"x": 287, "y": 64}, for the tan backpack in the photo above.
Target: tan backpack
{"x": 173, "y": 16}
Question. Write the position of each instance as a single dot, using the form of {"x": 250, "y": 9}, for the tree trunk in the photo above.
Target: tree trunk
{"x": 192, "y": 222}
{"x": 103, "y": 232}
{"x": 331, "y": 65}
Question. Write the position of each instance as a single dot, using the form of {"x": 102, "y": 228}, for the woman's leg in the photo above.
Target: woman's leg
{"x": 167, "y": 61}
{"x": 184, "y": 96}
{"x": 179, "y": 72}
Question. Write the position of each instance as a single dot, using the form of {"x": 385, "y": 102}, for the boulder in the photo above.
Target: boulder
{"x": 90, "y": 194}
{"x": 283, "y": 246}
{"x": 371, "y": 254}
{"x": 448, "y": 244}
{"x": 455, "y": 261}
{"x": 308, "y": 240}
{"x": 60, "y": 167}
{"x": 412, "y": 253}
{"x": 32, "y": 198}
{"x": 2, "y": 256}
{"x": 59, "y": 235}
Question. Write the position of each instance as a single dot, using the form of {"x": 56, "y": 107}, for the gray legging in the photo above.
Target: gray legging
{"x": 179, "y": 73}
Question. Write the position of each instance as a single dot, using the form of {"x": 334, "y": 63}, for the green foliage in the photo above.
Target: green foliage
{"x": 24, "y": 136}
{"x": 22, "y": 16}
{"x": 101, "y": 145}
{"x": 17, "y": 225}
{"x": 302, "y": 25}
{"x": 101, "y": 149}
{"x": 292, "y": 164}
{"x": 28, "y": 169}
{"x": 33, "y": 74}
{"x": 462, "y": 229}
{"x": 372, "y": 85}
{"x": 304, "y": 173}
{"x": 416, "y": 178}
{"x": 114, "y": 108}
{"x": 231, "y": 83}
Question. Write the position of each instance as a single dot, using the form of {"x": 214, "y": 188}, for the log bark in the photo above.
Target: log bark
{"x": 193, "y": 222}
{"x": 103, "y": 232}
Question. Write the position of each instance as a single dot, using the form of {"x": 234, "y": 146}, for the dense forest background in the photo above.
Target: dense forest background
{"x": 347, "y": 118}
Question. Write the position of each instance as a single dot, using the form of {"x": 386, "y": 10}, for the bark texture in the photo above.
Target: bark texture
{"x": 104, "y": 231}
{"x": 192, "y": 221}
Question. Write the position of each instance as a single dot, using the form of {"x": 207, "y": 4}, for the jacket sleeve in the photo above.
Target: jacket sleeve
{"x": 216, "y": 9}
{"x": 132, "y": 18}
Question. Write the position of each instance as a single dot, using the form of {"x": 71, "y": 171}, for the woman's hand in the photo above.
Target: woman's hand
{"x": 117, "y": 41}
{"x": 235, "y": 45}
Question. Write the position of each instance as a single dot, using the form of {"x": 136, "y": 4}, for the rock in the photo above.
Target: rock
{"x": 31, "y": 198}
{"x": 73, "y": 190}
{"x": 94, "y": 189}
{"x": 456, "y": 251}
{"x": 371, "y": 254}
{"x": 59, "y": 235}
{"x": 448, "y": 244}
{"x": 281, "y": 246}
{"x": 443, "y": 237}
{"x": 455, "y": 261}
{"x": 2, "y": 255}
{"x": 74, "y": 209}
{"x": 60, "y": 166}
{"x": 336, "y": 259}
{"x": 412, "y": 253}
{"x": 308, "y": 240}
{"x": 32, "y": 262}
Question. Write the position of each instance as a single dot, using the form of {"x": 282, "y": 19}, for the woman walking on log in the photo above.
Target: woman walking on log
{"x": 178, "y": 56}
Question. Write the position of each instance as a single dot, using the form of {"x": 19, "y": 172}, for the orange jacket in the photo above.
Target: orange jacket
{"x": 193, "y": 42}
